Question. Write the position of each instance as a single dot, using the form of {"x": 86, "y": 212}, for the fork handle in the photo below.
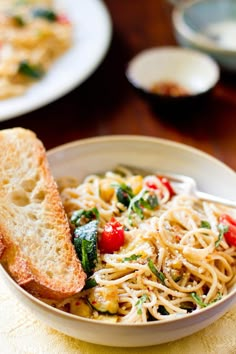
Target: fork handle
{"x": 215, "y": 199}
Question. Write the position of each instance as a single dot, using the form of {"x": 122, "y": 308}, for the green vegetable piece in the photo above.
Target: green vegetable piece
{"x": 123, "y": 197}
{"x": 124, "y": 193}
{"x": 153, "y": 269}
{"x": 76, "y": 218}
{"x": 218, "y": 297}
{"x": 149, "y": 201}
{"x": 144, "y": 199}
{"x": 140, "y": 302}
{"x": 18, "y": 20}
{"x": 176, "y": 275}
{"x": 90, "y": 283}
{"x": 138, "y": 209}
{"x": 134, "y": 204}
{"x": 222, "y": 230}
{"x": 47, "y": 14}
{"x": 205, "y": 224}
{"x": 198, "y": 300}
{"x": 104, "y": 299}
{"x": 85, "y": 242}
{"x": 134, "y": 257}
{"x": 32, "y": 71}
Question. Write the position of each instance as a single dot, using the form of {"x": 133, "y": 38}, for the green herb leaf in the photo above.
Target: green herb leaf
{"x": 47, "y": 14}
{"x": 218, "y": 297}
{"x": 85, "y": 242}
{"x": 134, "y": 257}
{"x": 149, "y": 201}
{"x": 222, "y": 230}
{"x": 140, "y": 302}
{"x": 138, "y": 209}
{"x": 134, "y": 204}
{"x": 198, "y": 300}
{"x": 32, "y": 71}
{"x": 144, "y": 199}
{"x": 154, "y": 270}
{"x": 205, "y": 224}
{"x": 88, "y": 215}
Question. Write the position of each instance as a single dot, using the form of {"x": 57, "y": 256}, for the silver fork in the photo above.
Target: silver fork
{"x": 183, "y": 184}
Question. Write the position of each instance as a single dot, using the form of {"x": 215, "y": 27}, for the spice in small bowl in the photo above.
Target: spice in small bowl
{"x": 169, "y": 88}
{"x": 171, "y": 76}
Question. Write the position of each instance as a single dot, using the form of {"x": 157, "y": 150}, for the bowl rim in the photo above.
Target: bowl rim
{"x": 175, "y": 50}
{"x": 196, "y": 39}
{"x": 122, "y": 138}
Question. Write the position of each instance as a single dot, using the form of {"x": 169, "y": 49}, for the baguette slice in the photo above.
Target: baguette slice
{"x": 35, "y": 238}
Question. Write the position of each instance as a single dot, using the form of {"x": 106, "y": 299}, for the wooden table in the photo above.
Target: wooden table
{"x": 106, "y": 104}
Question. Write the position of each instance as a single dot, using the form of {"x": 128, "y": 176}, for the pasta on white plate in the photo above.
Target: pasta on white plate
{"x": 149, "y": 253}
{"x": 33, "y": 35}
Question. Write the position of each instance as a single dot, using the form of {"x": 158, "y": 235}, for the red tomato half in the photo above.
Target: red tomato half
{"x": 230, "y": 235}
{"x": 112, "y": 237}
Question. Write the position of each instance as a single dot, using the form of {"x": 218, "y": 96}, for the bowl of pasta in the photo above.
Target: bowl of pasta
{"x": 160, "y": 263}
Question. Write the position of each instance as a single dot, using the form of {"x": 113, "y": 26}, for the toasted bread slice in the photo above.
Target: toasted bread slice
{"x": 35, "y": 238}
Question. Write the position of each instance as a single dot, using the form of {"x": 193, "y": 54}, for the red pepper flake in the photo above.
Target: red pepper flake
{"x": 167, "y": 184}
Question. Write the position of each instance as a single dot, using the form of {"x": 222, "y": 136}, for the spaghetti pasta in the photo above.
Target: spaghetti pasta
{"x": 174, "y": 258}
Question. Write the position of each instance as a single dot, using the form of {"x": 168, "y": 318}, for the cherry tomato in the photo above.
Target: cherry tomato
{"x": 165, "y": 183}
{"x": 112, "y": 237}
{"x": 230, "y": 235}
{"x": 63, "y": 19}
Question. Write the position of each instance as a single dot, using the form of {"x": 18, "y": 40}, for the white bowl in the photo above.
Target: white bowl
{"x": 209, "y": 26}
{"x": 189, "y": 68}
{"x": 180, "y": 75}
{"x": 98, "y": 154}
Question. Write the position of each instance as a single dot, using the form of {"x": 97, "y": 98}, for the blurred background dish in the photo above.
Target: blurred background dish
{"x": 91, "y": 38}
{"x": 172, "y": 76}
{"x": 210, "y": 26}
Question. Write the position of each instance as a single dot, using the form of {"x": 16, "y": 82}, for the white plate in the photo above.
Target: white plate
{"x": 92, "y": 35}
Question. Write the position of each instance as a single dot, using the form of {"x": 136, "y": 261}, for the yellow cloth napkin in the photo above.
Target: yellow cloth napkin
{"x": 22, "y": 333}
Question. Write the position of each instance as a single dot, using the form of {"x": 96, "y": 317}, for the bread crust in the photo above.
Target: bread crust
{"x": 35, "y": 238}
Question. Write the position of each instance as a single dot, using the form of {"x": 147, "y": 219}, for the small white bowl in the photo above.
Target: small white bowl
{"x": 100, "y": 154}
{"x": 209, "y": 26}
{"x": 194, "y": 73}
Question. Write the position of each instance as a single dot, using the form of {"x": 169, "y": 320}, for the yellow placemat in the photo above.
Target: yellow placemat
{"x": 22, "y": 333}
